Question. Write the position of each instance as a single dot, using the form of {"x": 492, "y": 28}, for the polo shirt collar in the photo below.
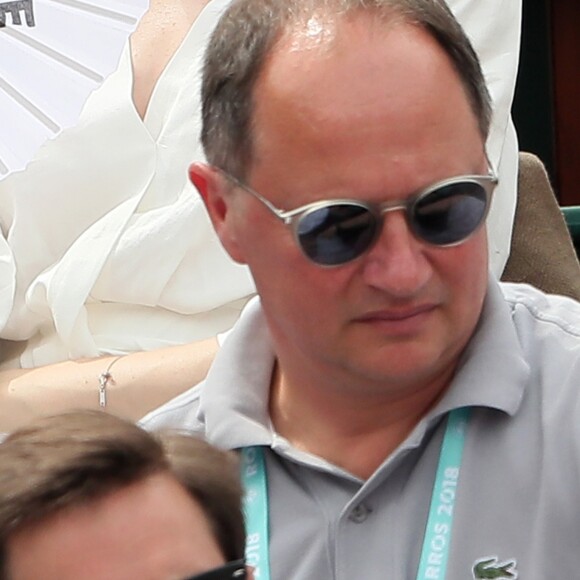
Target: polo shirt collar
{"x": 493, "y": 371}
{"x": 234, "y": 400}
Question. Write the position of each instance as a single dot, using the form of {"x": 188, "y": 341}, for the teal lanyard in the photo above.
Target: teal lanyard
{"x": 433, "y": 563}
{"x": 256, "y": 511}
{"x": 434, "y": 556}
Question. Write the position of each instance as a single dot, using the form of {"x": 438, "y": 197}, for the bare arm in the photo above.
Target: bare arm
{"x": 140, "y": 382}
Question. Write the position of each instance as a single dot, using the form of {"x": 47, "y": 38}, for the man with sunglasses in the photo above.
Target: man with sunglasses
{"x": 400, "y": 414}
{"x": 88, "y": 496}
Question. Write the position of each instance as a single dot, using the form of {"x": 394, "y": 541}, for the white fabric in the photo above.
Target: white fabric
{"x": 107, "y": 242}
{"x": 494, "y": 28}
{"x": 106, "y": 247}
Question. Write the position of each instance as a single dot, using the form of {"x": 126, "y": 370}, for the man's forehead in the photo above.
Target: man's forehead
{"x": 389, "y": 84}
{"x": 321, "y": 30}
{"x": 363, "y": 58}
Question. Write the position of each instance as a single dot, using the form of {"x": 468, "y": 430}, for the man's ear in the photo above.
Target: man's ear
{"x": 216, "y": 194}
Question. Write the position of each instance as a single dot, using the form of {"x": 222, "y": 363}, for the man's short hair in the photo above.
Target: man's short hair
{"x": 74, "y": 458}
{"x": 249, "y": 31}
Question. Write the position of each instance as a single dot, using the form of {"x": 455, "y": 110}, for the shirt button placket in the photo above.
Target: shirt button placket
{"x": 359, "y": 513}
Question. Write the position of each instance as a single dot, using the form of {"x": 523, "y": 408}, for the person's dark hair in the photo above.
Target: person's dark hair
{"x": 249, "y": 31}
{"x": 74, "y": 458}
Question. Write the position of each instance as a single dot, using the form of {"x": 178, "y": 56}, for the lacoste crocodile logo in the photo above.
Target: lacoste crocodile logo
{"x": 492, "y": 569}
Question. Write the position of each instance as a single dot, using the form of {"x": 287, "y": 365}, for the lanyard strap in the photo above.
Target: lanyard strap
{"x": 433, "y": 563}
{"x": 434, "y": 556}
{"x": 255, "y": 484}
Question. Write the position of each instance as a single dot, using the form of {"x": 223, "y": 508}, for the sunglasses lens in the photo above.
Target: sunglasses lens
{"x": 451, "y": 213}
{"x": 336, "y": 234}
{"x": 231, "y": 571}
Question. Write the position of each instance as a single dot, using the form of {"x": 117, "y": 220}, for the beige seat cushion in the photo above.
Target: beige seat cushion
{"x": 542, "y": 252}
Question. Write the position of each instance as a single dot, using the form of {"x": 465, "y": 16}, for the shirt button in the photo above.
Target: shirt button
{"x": 359, "y": 514}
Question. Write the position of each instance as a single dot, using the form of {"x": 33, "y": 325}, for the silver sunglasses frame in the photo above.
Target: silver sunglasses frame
{"x": 291, "y": 218}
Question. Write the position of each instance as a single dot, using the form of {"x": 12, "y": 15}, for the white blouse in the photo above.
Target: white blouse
{"x": 106, "y": 246}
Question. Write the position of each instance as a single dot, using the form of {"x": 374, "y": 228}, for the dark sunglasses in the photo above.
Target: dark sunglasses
{"x": 336, "y": 231}
{"x": 231, "y": 571}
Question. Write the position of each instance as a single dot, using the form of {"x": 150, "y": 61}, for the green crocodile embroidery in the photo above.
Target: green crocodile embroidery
{"x": 491, "y": 570}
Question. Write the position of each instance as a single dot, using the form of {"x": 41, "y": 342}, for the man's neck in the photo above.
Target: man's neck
{"x": 356, "y": 433}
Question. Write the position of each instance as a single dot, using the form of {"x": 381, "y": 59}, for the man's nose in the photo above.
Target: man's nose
{"x": 397, "y": 263}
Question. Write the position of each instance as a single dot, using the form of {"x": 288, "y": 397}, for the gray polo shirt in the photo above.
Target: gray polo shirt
{"x": 518, "y": 499}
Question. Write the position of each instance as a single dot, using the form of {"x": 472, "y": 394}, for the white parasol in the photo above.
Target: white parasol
{"x": 53, "y": 54}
